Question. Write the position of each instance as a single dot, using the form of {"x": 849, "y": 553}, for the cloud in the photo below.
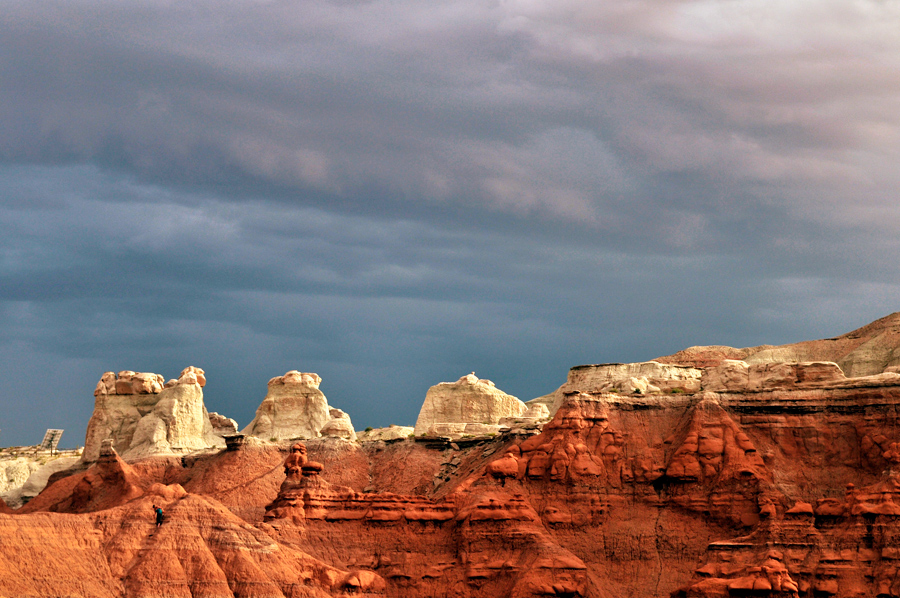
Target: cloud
{"x": 395, "y": 193}
{"x": 551, "y": 108}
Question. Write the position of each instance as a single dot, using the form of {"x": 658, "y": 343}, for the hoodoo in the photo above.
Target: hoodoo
{"x": 294, "y": 407}
{"x": 144, "y": 416}
{"x": 713, "y": 473}
{"x": 468, "y": 406}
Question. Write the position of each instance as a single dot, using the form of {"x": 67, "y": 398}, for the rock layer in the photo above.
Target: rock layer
{"x": 144, "y": 416}
{"x": 648, "y": 377}
{"x": 455, "y": 408}
{"x": 756, "y": 479}
{"x": 294, "y": 407}
{"x": 872, "y": 349}
{"x": 620, "y": 495}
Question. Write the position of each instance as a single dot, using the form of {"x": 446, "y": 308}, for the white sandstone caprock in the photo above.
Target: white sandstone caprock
{"x": 144, "y": 417}
{"x": 339, "y": 426}
{"x": 628, "y": 378}
{"x": 392, "y": 432}
{"x": 222, "y": 426}
{"x": 466, "y": 401}
{"x": 294, "y": 407}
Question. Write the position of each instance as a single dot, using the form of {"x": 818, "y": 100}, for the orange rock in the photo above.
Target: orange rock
{"x": 781, "y": 481}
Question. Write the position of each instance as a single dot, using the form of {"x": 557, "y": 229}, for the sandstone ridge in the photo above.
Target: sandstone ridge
{"x": 871, "y": 349}
{"x": 731, "y": 477}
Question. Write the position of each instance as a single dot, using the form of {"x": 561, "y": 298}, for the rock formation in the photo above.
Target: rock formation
{"x": 294, "y": 407}
{"x": 221, "y": 425}
{"x": 467, "y": 406}
{"x": 866, "y": 351}
{"x": 24, "y": 471}
{"x": 730, "y": 479}
{"x": 144, "y": 416}
{"x": 648, "y": 377}
{"x": 392, "y": 433}
{"x": 14, "y": 472}
{"x": 480, "y": 541}
{"x": 534, "y": 413}
{"x": 38, "y": 480}
{"x": 339, "y": 426}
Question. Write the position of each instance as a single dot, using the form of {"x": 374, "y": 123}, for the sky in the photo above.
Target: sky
{"x": 393, "y": 194}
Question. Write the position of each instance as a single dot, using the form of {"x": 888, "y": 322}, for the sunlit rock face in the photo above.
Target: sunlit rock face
{"x": 391, "y": 433}
{"x": 294, "y": 407}
{"x": 222, "y": 425}
{"x": 867, "y": 351}
{"x": 339, "y": 426}
{"x": 143, "y": 415}
{"x": 649, "y": 377}
{"x": 770, "y": 480}
{"x": 790, "y": 489}
{"x": 469, "y": 405}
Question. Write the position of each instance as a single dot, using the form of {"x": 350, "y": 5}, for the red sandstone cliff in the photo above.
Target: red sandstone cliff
{"x": 761, "y": 480}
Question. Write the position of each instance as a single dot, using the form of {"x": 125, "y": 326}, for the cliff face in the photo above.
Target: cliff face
{"x": 468, "y": 405}
{"x": 865, "y": 351}
{"x": 794, "y": 490}
{"x": 144, "y": 416}
{"x": 731, "y": 479}
{"x": 294, "y": 407}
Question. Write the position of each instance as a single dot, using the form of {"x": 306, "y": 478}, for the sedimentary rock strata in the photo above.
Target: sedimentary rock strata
{"x": 392, "y": 433}
{"x": 620, "y": 495}
{"x": 468, "y": 406}
{"x": 872, "y": 349}
{"x": 221, "y": 425}
{"x": 339, "y": 426}
{"x": 294, "y": 407}
{"x": 143, "y": 415}
{"x": 734, "y": 478}
{"x": 648, "y": 377}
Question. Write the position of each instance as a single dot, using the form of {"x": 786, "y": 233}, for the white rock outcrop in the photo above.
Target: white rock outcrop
{"x": 392, "y": 432}
{"x": 450, "y": 406}
{"x": 739, "y": 376}
{"x": 339, "y": 426}
{"x": 221, "y": 425}
{"x": 14, "y": 472}
{"x": 143, "y": 416}
{"x": 535, "y": 414}
{"x": 647, "y": 377}
{"x": 294, "y": 407}
{"x": 15, "y": 497}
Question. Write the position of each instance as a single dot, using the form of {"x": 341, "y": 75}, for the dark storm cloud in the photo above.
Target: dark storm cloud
{"x": 392, "y": 194}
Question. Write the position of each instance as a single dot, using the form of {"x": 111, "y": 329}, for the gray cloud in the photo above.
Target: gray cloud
{"x": 394, "y": 194}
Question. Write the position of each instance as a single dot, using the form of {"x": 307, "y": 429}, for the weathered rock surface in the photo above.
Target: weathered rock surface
{"x": 639, "y": 495}
{"x": 38, "y": 480}
{"x": 14, "y": 472}
{"x": 535, "y": 414}
{"x": 866, "y": 351}
{"x": 221, "y": 425}
{"x": 144, "y": 416}
{"x": 25, "y": 470}
{"x": 648, "y": 377}
{"x": 746, "y": 479}
{"x": 339, "y": 426}
{"x": 391, "y": 433}
{"x": 201, "y": 550}
{"x": 294, "y": 407}
{"x": 450, "y": 406}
